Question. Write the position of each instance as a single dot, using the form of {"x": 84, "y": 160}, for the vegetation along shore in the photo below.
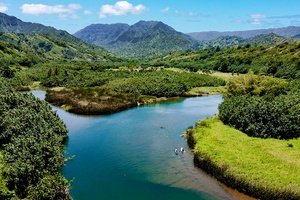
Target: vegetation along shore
{"x": 126, "y": 89}
{"x": 253, "y": 144}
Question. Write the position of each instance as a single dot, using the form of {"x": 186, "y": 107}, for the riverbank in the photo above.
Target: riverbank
{"x": 97, "y": 101}
{"x": 261, "y": 168}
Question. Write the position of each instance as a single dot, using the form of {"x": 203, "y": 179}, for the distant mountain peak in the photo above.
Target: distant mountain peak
{"x": 101, "y": 34}
{"x": 140, "y": 39}
{"x": 289, "y": 31}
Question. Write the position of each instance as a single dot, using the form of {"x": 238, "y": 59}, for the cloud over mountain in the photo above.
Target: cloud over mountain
{"x": 121, "y": 8}
{"x": 3, "y": 8}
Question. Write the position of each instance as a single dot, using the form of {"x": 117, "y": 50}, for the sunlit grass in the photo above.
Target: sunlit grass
{"x": 223, "y": 75}
{"x": 269, "y": 164}
{"x": 200, "y": 91}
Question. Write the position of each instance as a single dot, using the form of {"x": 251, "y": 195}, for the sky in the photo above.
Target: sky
{"x": 183, "y": 15}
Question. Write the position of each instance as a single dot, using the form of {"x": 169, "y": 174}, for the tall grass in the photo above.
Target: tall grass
{"x": 94, "y": 101}
{"x": 262, "y": 168}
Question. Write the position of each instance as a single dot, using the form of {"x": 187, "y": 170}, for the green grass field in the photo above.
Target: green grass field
{"x": 262, "y": 168}
{"x": 202, "y": 91}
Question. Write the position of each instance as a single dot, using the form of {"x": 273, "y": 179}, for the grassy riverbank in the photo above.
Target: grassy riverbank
{"x": 125, "y": 89}
{"x": 262, "y": 168}
{"x": 98, "y": 101}
{"x": 94, "y": 101}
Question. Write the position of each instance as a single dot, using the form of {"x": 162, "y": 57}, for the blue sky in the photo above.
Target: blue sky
{"x": 183, "y": 15}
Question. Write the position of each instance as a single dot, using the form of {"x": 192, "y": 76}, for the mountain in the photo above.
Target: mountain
{"x": 259, "y": 40}
{"x": 145, "y": 38}
{"x": 102, "y": 34}
{"x": 51, "y": 35}
{"x": 13, "y": 24}
{"x": 270, "y": 40}
{"x": 289, "y": 31}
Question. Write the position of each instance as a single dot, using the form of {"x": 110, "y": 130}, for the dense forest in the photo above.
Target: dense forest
{"x": 32, "y": 146}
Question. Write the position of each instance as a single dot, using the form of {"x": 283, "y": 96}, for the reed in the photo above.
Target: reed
{"x": 95, "y": 101}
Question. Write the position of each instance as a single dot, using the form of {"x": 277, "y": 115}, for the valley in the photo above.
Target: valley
{"x": 109, "y": 68}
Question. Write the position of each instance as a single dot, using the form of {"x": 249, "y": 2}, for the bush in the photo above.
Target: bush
{"x": 260, "y": 117}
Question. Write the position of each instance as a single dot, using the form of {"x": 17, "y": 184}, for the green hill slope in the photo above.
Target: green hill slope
{"x": 25, "y": 33}
{"x": 281, "y": 60}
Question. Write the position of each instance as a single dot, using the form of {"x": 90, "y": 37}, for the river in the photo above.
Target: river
{"x": 130, "y": 154}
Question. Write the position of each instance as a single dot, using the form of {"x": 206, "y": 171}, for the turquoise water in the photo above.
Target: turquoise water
{"x": 130, "y": 154}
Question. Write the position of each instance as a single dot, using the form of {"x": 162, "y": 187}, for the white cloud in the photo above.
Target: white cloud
{"x": 178, "y": 12}
{"x": 37, "y": 9}
{"x": 121, "y": 8}
{"x": 165, "y": 10}
{"x": 3, "y": 8}
{"x": 192, "y": 14}
{"x": 257, "y": 18}
{"x": 87, "y": 12}
{"x": 63, "y": 16}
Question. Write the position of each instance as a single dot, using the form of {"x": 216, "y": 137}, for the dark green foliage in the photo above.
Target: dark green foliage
{"x": 7, "y": 72}
{"x": 278, "y": 118}
{"x": 262, "y": 107}
{"x": 32, "y": 141}
{"x": 162, "y": 83}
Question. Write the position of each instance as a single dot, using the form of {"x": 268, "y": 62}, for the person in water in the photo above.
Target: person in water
{"x": 182, "y": 149}
{"x": 176, "y": 151}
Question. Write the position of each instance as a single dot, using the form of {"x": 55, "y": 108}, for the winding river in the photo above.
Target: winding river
{"x": 130, "y": 154}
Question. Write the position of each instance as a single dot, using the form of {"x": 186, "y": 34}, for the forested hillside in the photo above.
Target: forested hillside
{"x": 235, "y": 41}
{"x": 16, "y": 32}
{"x": 29, "y": 49}
{"x": 280, "y": 60}
{"x": 289, "y": 31}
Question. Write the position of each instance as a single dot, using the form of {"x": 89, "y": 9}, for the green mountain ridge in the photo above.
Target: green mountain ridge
{"x": 101, "y": 34}
{"x": 259, "y": 40}
{"x": 145, "y": 38}
{"x": 289, "y": 31}
{"x": 18, "y": 33}
{"x": 154, "y": 38}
